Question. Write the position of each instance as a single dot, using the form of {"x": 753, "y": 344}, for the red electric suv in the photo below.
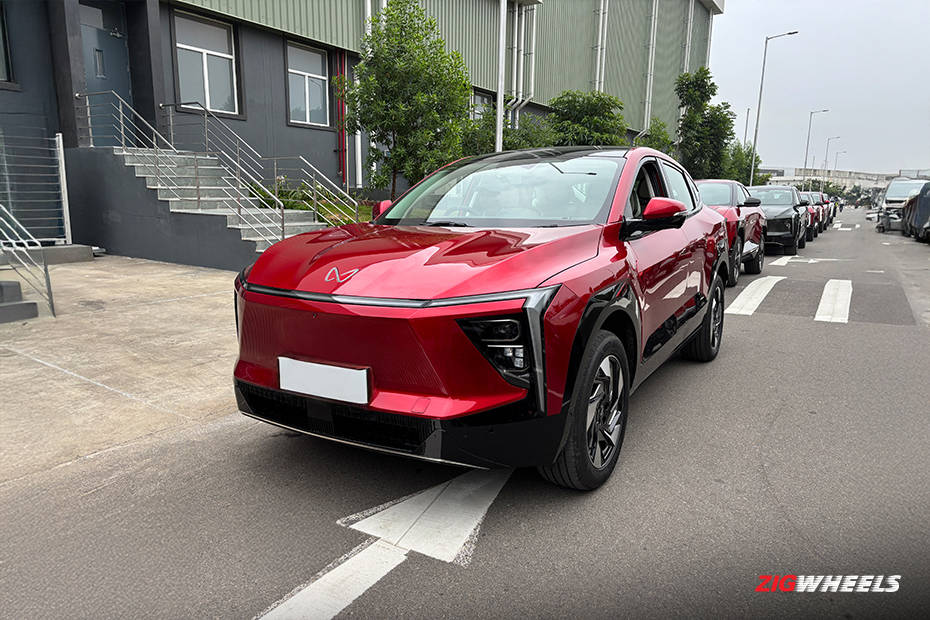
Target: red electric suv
{"x": 498, "y": 314}
{"x": 745, "y": 224}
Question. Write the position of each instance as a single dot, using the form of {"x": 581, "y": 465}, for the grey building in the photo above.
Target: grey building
{"x": 200, "y": 131}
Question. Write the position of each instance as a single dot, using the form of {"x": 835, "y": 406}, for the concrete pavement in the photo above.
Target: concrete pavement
{"x": 135, "y": 489}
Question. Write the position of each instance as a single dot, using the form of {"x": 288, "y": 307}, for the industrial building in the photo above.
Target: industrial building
{"x": 180, "y": 121}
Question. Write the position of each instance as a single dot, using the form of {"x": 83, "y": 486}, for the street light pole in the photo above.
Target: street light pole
{"x": 836, "y": 161}
{"x": 755, "y": 136}
{"x": 501, "y": 44}
{"x": 807, "y": 148}
{"x": 826, "y": 161}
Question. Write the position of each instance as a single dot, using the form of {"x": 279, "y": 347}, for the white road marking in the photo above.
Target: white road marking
{"x": 875, "y": 271}
{"x": 335, "y": 590}
{"x": 753, "y": 295}
{"x": 858, "y": 225}
{"x": 885, "y": 243}
{"x": 780, "y": 262}
{"x": 834, "y": 303}
{"x": 441, "y": 522}
{"x": 837, "y": 225}
{"x": 784, "y": 260}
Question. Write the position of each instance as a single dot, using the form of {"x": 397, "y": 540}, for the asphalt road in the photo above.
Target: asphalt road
{"x": 802, "y": 449}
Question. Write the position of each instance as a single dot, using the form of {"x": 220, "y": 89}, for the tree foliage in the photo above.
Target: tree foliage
{"x": 412, "y": 95}
{"x": 535, "y": 131}
{"x": 737, "y": 164}
{"x": 656, "y": 137}
{"x": 587, "y": 118}
{"x": 705, "y": 130}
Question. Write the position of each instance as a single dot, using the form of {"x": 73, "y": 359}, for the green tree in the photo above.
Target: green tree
{"x": 704, "y": 130}
{"x": 534, "y": 132}
{"x": 656, "y": 137}
{"x": 737, "y": 164}
{"x": 583, "y": 118}
{"x": 412, "y": 95}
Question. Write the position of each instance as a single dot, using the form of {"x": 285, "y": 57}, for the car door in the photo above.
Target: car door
{"x": 679, "y": 188}
{"x": 660, "y": 262}
{"x": 752, "y": 217}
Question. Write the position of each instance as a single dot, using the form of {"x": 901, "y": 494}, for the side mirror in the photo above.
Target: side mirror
{"x": 380, "y": 208}
{"x": 659, "y": 214}
{"x": 804, "y": 202}
{"x": 752, "y": 201}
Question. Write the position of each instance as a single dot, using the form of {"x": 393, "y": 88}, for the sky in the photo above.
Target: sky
{"x": 867, "y": 61}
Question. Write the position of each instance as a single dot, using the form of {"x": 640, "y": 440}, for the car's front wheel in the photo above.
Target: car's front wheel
{"x": 754, "y": 265}
{"x": 736, "y": 261}
{"x": 597, "y": 416}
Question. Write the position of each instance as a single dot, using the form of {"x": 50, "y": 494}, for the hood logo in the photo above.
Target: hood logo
{"x": 340, "y": 277}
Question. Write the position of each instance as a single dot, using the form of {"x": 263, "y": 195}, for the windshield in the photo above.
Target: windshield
{"x": 902, "y": 190}
{"x": 559, "y": 190}
{"x": 773, "y": 195}
{"x": 715, "y": 194}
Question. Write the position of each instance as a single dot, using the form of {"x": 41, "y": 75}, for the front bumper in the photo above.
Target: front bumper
{"x": 508, "y": 436}
{"x": 780, "y": 233}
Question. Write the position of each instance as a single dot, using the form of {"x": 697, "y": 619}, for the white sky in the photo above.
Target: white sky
{"x": 867, "y": 61}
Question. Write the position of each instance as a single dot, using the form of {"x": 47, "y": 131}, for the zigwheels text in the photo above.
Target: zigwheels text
{"x": 828, "y": 583}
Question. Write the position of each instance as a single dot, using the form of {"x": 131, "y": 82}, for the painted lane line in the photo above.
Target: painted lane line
{"x": 337, "y": 589}
{"x": 442, "y": 522}
{"x": 780, "y": 262}
{"x": 753, "y": 295}
{"x": 858, "y": 225}
{"x": 834, "y": 303}
{"x": 875, "y": 271}
{"x": 837, "y": 225}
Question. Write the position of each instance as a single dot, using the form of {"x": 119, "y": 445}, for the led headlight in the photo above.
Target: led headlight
{"x": 504, "y": 341}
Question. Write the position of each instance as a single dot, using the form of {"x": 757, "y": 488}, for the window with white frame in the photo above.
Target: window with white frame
{"x": 6, "y": 73}
{"x": 480, "y": 102}
{"x": 307, "y": 85}
{"x": 206, "y": 63}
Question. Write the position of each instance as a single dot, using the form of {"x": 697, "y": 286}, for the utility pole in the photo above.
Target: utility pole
{"x": 808, "y": 147}
{"x": 755, "y": 137}
{"x": 746, "y": 130}
{"x": 826, "y": 161}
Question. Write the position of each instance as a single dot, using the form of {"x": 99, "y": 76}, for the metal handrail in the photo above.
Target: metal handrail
{"x": 318, "y": 185}
{"x": 16, "y": 242}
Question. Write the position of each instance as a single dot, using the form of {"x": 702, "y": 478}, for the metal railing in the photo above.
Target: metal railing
{"x": 295, "y": 179}
{"x": 20, "y": 248}
{"x": 105, "y": 119}
{"x": 198, "y": 129}
{"x": 33, "y": 184}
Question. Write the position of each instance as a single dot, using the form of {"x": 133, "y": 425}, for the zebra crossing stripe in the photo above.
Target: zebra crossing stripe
{"x": 834, "y": 303}
{"x": 753, "y": 295}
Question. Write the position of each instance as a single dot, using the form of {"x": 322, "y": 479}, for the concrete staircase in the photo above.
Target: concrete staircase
{"x": 200, "y": 184}
{"x": 12, "y": 306}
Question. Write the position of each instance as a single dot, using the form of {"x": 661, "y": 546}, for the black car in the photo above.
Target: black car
{"x": 786, "y": 215}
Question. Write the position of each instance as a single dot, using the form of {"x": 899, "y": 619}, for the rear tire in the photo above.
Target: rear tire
{"x": 791, "y": 250}
{"x": 736, "y": 260}
{"x": 705, "y": 344}
{"x": 809, "y": 234}
{"x": 802, "y": 242}
{"x": 597, "y": 416}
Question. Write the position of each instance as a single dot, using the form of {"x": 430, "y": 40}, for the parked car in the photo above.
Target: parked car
{"x": 786, "y": 216}
{"x": 916, "y": 213}
{"x": 815, "y": 212}
{"x": 892, "y": 202}
{"x": 745, "y": 223}
{"x": 498, "y": 314}
{"x": 818, "y": 201}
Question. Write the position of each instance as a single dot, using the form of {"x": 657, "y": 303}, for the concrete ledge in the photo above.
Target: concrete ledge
{"x": 18, "y": 311}
{"x": 61, "y": 254}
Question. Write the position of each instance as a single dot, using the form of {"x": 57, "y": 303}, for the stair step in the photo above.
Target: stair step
{"x": 291, "y": 216}
{"x": 149, "y": 170}
{"x": 290, "y": 229}
{"x": 13, "y": 311}
{"x": 10, "y": 291}
{"x": 213, "y": 192}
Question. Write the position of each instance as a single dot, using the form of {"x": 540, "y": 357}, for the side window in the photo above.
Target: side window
{"x": 678, "y": 186}
{"x": 646, "y": 186}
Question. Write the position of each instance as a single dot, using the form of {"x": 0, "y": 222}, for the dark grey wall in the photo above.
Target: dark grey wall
{"x": 64, "y": 24}
{"x": 260, "y": 55}
{"x": 112, "y": 208}
{"x": 31, "y": 101}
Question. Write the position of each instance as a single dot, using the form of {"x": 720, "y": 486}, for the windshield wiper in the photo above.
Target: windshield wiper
{"x": 445, "y": 223}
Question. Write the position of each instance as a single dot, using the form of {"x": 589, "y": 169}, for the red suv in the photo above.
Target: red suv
{"x": 497, "y": 314}
{"x": 745, "y": 224}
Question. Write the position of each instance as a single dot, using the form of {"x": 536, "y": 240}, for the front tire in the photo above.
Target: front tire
{"x": 754, "y": 265}
{"x": 791, "y": 250}
{"x": 705, "y": 344}
{"x": 597, "y": 415}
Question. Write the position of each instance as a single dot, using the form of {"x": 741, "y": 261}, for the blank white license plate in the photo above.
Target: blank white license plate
{"x": 325, "y": 381}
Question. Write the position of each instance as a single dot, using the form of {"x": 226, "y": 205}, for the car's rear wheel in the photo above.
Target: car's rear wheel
{"x": 597, "y": 416}
{"x": 755, "y": 264}
{"x": 802, "y": 240}
{"x": 736, "y": 259}
{"x": 705, "y": 344}
{"x": 809, "y": 234}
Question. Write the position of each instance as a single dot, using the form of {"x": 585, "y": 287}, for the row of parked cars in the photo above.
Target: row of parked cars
{"x": 773, "y": 216}
{"x": 905, "y": 206}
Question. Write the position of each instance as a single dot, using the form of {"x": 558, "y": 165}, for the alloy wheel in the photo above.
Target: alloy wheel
{"x": 716, "y": 317}
{"x": 604, "y": 415}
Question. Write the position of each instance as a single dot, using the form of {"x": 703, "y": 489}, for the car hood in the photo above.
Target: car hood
{"x": 422, "y": 262}
{"x": 774, "y": 212}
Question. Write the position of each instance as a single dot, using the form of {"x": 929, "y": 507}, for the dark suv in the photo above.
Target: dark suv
{"x": 786, "y": 215}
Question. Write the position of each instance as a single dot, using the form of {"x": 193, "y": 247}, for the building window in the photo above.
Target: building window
{"x": 6, "y": 70}
{"x": 206, "y": 63}
{"x": 479, "y": 103}
{"x": 307, "y": 85}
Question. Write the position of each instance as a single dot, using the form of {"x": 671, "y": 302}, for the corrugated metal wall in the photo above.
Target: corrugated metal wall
{"x": 628, "y": 56}
{"x": 565, "y": 38}
{"x": 699, "y": 37}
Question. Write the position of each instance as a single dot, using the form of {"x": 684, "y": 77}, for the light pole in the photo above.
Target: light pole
{"x": 836, "y": 161}
{"x": 807, "y": 148}
{"x": 755, "y": 136}
{"x": 826, "y": 160}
